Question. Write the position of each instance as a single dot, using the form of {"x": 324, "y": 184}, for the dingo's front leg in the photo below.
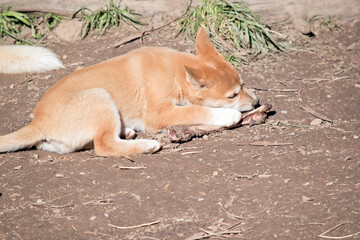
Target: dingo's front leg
{"x": 223, "y": 117}
{"x": 191, "y": 115}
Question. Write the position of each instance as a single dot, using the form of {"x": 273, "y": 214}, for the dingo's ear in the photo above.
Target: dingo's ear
{"x": 204, "y": 46}
{"x": 194, "y": 76}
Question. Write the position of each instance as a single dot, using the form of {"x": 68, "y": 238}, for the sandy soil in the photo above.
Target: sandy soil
{"x": 293, "y": 177}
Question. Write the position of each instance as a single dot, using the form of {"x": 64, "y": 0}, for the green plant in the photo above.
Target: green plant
{"x": 104, "y": 19}
{"x": 324, "y": 22}
{"x": 11, "y": 24}
{"x": 234, "y": 29}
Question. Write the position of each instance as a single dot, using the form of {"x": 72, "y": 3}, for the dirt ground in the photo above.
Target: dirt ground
{"x": 302, "y": 179}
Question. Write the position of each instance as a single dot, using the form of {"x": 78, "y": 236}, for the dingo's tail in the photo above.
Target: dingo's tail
{"x": 25, "y": 137}
{"x": 22, "y": 59}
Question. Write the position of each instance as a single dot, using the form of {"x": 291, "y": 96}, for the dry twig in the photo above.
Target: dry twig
{"x": 99, "y": 202}
{"x": 47, "y": 205}
{"x": 275, "y": 90}
{"x": 132, "y": 227}
{"x": 128, "y": 168}
{"x": 207, "y": 234}
{"x": 265, "y": 143}
{"x": 322, "y": 235}
{"x": 243, "y": 176}
{"x": 316, "y": 114}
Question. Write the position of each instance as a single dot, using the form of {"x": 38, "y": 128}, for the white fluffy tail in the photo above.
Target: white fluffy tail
{"x": 22, "y": 59}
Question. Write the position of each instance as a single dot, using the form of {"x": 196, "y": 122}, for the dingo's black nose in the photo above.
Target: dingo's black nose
{"x": 256, "y": 103}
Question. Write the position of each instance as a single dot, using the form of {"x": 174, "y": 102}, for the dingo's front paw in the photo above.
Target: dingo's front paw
{"x": 224, "y": 117}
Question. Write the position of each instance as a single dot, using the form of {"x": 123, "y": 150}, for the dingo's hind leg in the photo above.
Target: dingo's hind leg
{"x": 90, "y": 115}
{"x": 106, "y": 122}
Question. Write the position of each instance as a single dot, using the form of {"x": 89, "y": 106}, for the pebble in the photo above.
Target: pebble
{"x": 306, "y": 199}
{"x": 329, "y": 183}
{"x": 18, "y": 167}
{"x": 59, "y": 175}
{"x": 47, "y": 77}
{"x": 316, "y": 122}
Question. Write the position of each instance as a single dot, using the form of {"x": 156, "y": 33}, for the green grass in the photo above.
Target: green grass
{"x": 103, "y": 19}
{"x": 235, "y": 30}
{"x": 324, "y": 22}
{"x": 13, "y": 23}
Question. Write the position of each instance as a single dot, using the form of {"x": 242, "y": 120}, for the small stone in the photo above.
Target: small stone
{"x": 36, "y": 156}
{"x": 59, "y": 175}
{"x": 69, "y": 30}
{"x": 307, "y": 199}
{"x": 356, "y": 136}
{"x": 12, "y": 86}
{"x": 352, "y": 46}
{"x": 284, "y": 111}
{"x": 215, "y": 173}
{"x": 64, "y": 57}
{"x": 316, "y": 122}
{"x": 92, "y": 218}
{"x": 47, "y": 77}
{"x": 18, "y": 167}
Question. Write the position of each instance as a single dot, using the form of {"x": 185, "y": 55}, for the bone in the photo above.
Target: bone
{"x": 180, "y": 133}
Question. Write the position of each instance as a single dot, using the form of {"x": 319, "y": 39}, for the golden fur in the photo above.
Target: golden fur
{"x": 149, "y": 89}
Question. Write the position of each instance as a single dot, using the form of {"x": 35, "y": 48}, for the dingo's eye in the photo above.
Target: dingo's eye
{"x": 233, "y": 96}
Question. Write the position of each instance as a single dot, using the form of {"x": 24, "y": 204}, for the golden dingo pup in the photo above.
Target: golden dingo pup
{"x": 149, "y": 89}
